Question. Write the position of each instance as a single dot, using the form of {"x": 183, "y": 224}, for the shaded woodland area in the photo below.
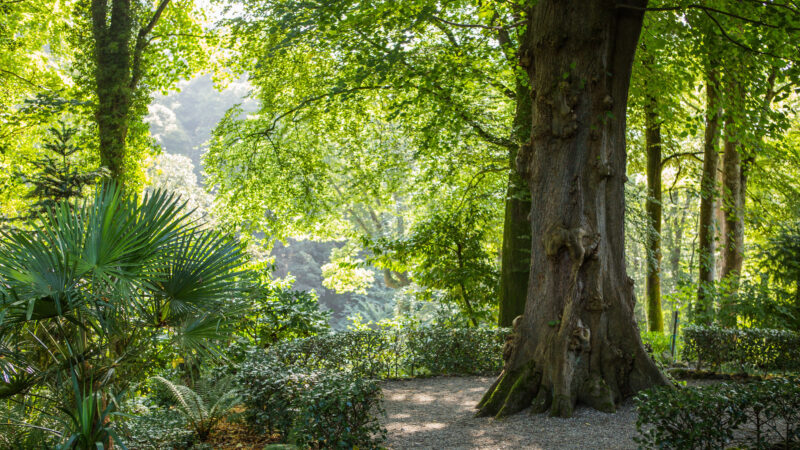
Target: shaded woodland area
{"x": 234, "y": 218}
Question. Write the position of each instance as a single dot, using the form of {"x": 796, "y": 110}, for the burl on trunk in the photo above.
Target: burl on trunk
{"x": 577, "y": 340}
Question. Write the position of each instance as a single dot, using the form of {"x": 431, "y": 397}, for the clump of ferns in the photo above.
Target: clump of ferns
{"x": 205, "y": 405}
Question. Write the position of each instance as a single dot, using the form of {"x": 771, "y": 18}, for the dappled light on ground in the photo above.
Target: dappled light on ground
{"x": 439, "y": 413}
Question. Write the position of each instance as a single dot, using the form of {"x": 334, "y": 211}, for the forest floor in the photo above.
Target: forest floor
{"x": 438, "y": 413}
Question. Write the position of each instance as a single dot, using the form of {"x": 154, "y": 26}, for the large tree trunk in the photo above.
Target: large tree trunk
{"x": 516, "y": 255}
{"x": 578, "y": 340}
{"x": 703, "y": 310}
{"x": 655, "y": 318}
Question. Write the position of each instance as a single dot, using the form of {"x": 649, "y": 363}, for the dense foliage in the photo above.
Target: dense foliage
{"x": 764, "y": 414}
{"x": 104, "y": 288}
{"x": 369, "y": 167}
{"x": 399, "y": 353}
{"x": 325, "y": 407}
{"x": 752, "y": 348}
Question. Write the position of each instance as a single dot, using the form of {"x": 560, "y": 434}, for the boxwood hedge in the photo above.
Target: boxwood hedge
{"x": 399, "y": 353}
{"x": 762, "y": 414}
{"x": 763, "y": 349}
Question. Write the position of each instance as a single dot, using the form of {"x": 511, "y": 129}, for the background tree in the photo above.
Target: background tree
{"x": 58, "y": 178}
{"x": 467, "y": 142}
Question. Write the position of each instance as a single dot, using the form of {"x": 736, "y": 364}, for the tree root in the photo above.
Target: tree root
{"x": 511, "y": 393}
{"x": 516, "y": 390}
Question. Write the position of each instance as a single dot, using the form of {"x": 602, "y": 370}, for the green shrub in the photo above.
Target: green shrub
{"x": 269, "y": 392}
{"x": 398, "y": 353}
{"x": 763, "y": 349}
{"x": 338, "y": 410}
{"x": 324, "y": 407}
{"x": 460, "y": 351}
{"x": 754, "y": 415}
{"x": 278, "y": 312}
{"x": 366, "y": 352}
{"x": 157, "y": 429}
{"x": 660, "y": 344}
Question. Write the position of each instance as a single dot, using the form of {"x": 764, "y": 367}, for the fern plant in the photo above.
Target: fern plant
{"x": 205, "y": 405}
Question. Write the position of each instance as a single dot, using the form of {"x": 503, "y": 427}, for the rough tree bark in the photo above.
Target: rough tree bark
{"x": 117, "y": 74}
{"x": 706, "y": 230}
{"x": 577, "y": 340}
{"x": 655, "y": 317}
{"x": 516, "y": 257}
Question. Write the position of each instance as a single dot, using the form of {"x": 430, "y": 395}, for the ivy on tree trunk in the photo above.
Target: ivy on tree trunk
{"x": 655, "y": 317}
{"x": 117, "y": 74}
{"x": 516, "y": 254}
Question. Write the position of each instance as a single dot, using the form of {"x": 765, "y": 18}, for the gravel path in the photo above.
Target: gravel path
{"x": 437, "y": 413}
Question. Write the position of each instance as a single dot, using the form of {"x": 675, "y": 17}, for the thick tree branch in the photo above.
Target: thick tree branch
{"x": 154, "y": 20}
{"x": 679, "y": 155}
{"x": 141, "y": 44}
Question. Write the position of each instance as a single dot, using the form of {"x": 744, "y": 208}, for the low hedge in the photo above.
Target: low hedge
{"x": 311, "y": 409}
{"x": 399, "y": 353}
{"x": 320, "y": 391}
{"x": 763, "y": 349}
{"x": 762, "y": 414}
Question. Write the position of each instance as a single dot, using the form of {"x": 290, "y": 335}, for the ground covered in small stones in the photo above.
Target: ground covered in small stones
{"x": 439, "y": 413}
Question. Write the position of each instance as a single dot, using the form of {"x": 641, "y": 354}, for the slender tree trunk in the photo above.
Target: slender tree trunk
{"x": 719, "y": 218}
{"x": 703, "y": 310}
{"x": 516, "y": 255}
{"x": 578, "y": 340}
{"x": 733, "y": 203}
{"x": 675, "y": 252}
{"x": 655, "y": 318}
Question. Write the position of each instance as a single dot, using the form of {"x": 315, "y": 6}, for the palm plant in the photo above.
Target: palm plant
{"x": 99, "y": 288}
{"x": 205, "y": 405}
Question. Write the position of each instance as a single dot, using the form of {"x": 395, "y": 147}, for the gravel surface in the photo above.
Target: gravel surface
{"x": 438, "y": 413}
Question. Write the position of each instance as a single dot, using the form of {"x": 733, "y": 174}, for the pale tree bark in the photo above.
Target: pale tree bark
{"x": 735, "y": 170}
{"x": 655, "y": 317}
{"x": 703, "y": 308}
{"x": 577, "y": 340}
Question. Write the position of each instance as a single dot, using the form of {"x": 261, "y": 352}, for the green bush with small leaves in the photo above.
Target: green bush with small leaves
{"x": 762, "y": 349}
{"x": 322, "y": 407}
{"x": 338, "y": 410}
{"x": 399, "y": 352}
{"x": 269, "y": 392}
{"x": 157, "y": 429}
{"x": 763, "y": 414}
